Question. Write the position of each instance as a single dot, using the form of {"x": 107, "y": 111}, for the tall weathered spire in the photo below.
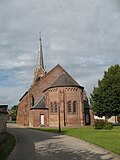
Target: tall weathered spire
{"x": 39, "y": 71}
{"x": 40, "y": 54}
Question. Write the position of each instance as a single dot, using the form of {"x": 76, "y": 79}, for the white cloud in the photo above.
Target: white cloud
{"x": 10, "y": 95}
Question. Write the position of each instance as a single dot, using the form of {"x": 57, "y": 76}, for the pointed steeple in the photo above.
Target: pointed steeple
{"x": 39, "y": 70}
{"x": 40, "y": 54}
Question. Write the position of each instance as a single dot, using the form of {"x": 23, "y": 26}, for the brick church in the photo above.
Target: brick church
{"x": 53, "y": 99}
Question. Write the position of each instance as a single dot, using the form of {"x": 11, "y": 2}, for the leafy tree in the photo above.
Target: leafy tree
{"x": 14, "y": 112}
{"x": 105, "y": 99}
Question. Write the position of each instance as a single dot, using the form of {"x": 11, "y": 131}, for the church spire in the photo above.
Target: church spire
{"x": 39, "y": 71}
{"x": 40, "y": 54}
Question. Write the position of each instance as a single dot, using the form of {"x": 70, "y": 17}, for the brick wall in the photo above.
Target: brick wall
{"x": 23, "y": 112}
{"x": 61, "y": 96}
{"x": 37, "y": 89}
{"x": 92, "y": 120}
{"x": 35, "y": 117}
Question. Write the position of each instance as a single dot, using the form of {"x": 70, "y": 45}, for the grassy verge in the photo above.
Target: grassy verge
{"x": 6, "y": 146}
{"x": 108, "y": 139}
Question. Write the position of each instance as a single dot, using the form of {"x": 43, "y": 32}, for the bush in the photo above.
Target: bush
{"x": 6, "y": 146}
{"x": 102, "y": 124}
{"x": 99, "y": 124}
{"x": 108, "y": 125}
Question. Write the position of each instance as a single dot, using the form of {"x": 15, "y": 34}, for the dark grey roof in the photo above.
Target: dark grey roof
{"x": 64, "y": 80}
{"x": 40, "y": 104}
{"x": 3, "y": 108}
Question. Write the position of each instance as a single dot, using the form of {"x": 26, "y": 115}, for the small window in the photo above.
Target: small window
{"x": 51, "y": 107}
{"x": 69, "y": 106}
{"x": 74, "y": 107}
{"x": 55, "y": 107}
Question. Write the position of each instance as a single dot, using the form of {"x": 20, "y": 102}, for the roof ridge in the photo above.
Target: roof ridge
{"x": 47, "y": 74}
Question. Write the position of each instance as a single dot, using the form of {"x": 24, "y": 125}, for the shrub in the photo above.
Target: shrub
{"x": 108, "y": 125}
{"x": 99, "y": 124}
{"x": 6, "y": 146}
{"x": 102, "y": 124}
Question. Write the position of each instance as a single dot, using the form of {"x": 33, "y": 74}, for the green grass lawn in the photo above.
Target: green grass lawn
{"x": 6, "y": 146}
{"x": 108, "y": 139}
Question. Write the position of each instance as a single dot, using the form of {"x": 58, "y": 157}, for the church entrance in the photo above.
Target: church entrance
{"x": 42, "y": 119}
{"x": 87, "y": 117}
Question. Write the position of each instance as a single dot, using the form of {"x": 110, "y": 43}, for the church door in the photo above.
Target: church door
{"x": 87, "y": 119}
{"x": 42, "y": 119}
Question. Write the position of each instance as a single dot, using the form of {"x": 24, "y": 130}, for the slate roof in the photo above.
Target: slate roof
{"x": 40, "y": 104}
{"x": 64, "y": 80}
{"x": 3, "y": 108}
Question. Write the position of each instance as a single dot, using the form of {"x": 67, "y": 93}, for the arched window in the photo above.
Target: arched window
{"x": 74, "y": 107}
{"x": 51, "y": 107}
{"x": 55, "y": 107}
{"x": 69, "y": 106}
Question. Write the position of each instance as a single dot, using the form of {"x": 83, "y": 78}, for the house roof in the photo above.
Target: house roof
{"x": 64, "y": 80}
{"x": 3, "y": 108}
{"x": 40, "y": 104}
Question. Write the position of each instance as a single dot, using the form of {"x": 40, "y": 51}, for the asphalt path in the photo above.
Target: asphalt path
{"x": 39, "y": 145}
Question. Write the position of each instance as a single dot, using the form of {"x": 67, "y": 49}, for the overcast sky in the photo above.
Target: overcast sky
{"x": 81, "y": 35}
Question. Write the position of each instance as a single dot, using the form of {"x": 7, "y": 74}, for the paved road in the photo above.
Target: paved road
{"x": 39, "y": 145}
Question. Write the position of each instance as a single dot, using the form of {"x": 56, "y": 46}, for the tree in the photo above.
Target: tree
{"x": 105, "y": 99}
{"x": 14, "y": 112}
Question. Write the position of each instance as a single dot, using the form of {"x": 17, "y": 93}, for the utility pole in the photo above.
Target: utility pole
{"x": 64, "y": 108}
{"x": 59, "y": 117}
